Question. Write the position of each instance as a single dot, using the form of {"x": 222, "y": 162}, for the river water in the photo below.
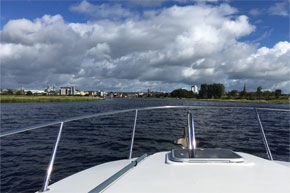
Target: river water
{"x": 86, "y": 143}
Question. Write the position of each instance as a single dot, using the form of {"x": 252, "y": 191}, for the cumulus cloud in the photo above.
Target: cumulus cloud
{"x": 165, "y": 49}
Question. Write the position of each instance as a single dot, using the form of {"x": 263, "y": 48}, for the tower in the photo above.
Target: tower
{"x": 194, "y": 89}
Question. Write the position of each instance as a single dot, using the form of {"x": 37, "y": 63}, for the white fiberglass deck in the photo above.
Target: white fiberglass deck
{"x": 157, "y": 174}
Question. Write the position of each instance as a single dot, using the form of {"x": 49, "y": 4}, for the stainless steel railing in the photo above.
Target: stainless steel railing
{"x": 20, "y": 130}
{"x": 51, "y": 162}
{"x": 191, "y": 143}
{"x": 133, "y": 135}
{"x": 264, "y": 136}
{"x": 191, "y": 139}
{"x": 117, "y": 175}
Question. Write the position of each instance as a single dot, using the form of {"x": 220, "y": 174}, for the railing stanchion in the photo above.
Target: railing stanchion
{"x": 133, "y": 135}
{"x": 191, "y": 143}
{"x": 189, "y": 130}
{"x": 51, "y": 162}
{"x": 264, "y": 136}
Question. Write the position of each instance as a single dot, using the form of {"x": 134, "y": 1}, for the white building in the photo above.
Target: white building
{"x": 78, "y": 92}
{"x": 35, "y": 91}
{"x": 194, "y": 89}
{"x": 67, "y": 90}
{"x": 101, "y": 93}
{"x": 50, "y": 90}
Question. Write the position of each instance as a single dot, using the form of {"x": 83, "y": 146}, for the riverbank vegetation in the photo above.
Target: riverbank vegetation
{"x": 207, "y": 92}
{"x": 217, "y": 92}
{"x": 33, "y": 98}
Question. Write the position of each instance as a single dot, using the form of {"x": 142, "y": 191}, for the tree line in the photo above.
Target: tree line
{"x": 10, "y": 92}
{"x": 207, "y": 91}
{"x": 217, "y": 91}
{"x": 259, "y": 94}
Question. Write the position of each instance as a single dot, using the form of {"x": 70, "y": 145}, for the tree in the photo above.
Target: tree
{"x": 18, "y": 93}
{"x": 278, "y": 93}
{"x": 267, "y": 94}
{"x": 251, "y": 95}
{"x": 259, "y": 92}
{"x": 203, "y": 93}
{"x": 228, "y": 94}
{"x": 234, "y": 93}
{"x": 219, "y": 90}
{"x": 8, "y": 92}
{"x": 211, "y": 91}
{"x": 182, "y": 93}
{"x": 29, "y": 93}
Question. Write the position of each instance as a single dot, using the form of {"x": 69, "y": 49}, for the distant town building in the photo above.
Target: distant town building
{"x": 194, "y": 89}
{"x": 35, "y": 91}
{"x": 84, "y": 93}
{"x": 3, "y": 90}
{"x": 78, "y": 92}
{"x": 101, "y": 93}
{"x": 68, "y": 90}
{"x": 73, "y": 90}
{"x": 111, "y": 95}
{"x": 50, "y": 90}
{"x": 92, "y": 93}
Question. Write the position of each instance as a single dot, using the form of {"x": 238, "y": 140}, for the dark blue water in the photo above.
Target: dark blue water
{"x": 24, "y": 156}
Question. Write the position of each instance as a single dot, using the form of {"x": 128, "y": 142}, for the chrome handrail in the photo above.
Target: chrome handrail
{"x": 133, "y": 135}
{"x": 117, "y": 175}
{"x": 191, "y": 143}
{"x": 51, "y": 162}
{"x": 264, "y": 136}
{"x": 50, "y": 166}
{"x": 37, "y": 126}
{"x": 189, "y": 138}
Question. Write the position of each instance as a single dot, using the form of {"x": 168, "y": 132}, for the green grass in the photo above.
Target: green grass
{"x": 251, "y": 101}
{"x": 32, "y": 99}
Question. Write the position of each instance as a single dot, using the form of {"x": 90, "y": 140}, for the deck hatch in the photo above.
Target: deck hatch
{"x": 205, "y": 155}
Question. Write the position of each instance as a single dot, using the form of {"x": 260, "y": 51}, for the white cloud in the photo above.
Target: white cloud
{"x": 102, "y": 11}
{"x": 168, "y": 48}
{"x": 265, "y": 63}
{"x": 157, "y": 3}
{"x": 255, "y": 12}
{"x": 280, "y": 8}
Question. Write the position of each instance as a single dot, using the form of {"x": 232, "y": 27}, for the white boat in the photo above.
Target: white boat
{"x": 188, "y": 169}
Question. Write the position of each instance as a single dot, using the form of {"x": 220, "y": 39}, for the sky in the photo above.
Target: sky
{"x": 133, "y": 45}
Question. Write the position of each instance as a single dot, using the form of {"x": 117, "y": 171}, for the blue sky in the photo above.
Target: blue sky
{"x": 258, "y": 29}
{"x": 35, "y": 9}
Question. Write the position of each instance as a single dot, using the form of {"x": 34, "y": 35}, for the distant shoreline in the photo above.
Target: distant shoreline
{"x": 44, "y": 99}
{"x": 238, "y": 100}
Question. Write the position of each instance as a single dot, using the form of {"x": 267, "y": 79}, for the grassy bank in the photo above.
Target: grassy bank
{"x": 251, "y": 101}
{"x": 272, "y": 101}
{"x": 32, "y": 99}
